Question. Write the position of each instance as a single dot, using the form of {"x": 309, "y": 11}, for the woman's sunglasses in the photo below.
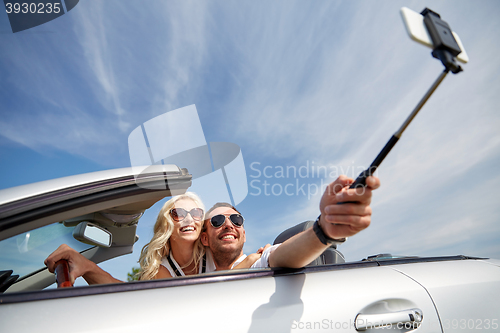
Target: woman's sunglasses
{"x": 179, "y": 214}
{"x": 218, "y": 220}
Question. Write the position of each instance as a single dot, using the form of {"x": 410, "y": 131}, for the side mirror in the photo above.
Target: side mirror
{"x": 92, "y": 234}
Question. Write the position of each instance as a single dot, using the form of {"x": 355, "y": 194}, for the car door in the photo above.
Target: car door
{"x": 465, "y": 293}
{"x": 335, "y": 298}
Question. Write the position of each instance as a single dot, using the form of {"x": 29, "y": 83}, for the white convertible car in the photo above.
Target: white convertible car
{"x": 401, "y": 294}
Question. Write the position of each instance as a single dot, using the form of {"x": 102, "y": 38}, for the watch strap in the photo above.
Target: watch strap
{"x": 323, "y": 238}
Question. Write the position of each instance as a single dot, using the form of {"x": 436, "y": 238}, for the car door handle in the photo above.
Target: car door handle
{"x": 403, "y": 318}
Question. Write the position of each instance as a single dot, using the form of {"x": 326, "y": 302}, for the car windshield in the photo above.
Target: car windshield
{"x": 26, "y": 252}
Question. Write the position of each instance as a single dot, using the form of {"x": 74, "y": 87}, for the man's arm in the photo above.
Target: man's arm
{"x": 336, "y": 222}
{"x": 79, "y": 266}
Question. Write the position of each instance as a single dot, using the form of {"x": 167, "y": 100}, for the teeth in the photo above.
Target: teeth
{"x": 228, "y": 237}
{"x": 187, "y": 229}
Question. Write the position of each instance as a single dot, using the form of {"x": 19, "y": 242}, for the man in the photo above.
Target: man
{"x": 225, "y": 238}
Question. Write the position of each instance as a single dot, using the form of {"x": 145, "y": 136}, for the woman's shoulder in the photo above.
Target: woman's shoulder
{"x": 163, "y": 273}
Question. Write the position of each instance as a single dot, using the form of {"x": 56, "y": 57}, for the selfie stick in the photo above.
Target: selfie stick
{"x": 445, "y": 49}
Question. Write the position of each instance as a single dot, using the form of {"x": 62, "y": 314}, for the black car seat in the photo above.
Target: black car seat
{"x": 330, "y": 256}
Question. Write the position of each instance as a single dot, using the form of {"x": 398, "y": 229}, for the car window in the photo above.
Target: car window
{"x": 26, "y": 252}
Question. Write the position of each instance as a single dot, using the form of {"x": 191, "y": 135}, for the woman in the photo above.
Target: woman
{"x": 175, "y": 249}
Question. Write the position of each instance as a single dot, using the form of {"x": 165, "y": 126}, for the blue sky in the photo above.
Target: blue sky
{"x": 294, "y": 84}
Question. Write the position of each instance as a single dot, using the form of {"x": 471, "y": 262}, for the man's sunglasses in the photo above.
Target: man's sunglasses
{"x": 179, "y": 214}
{"x": 218, "y": 220}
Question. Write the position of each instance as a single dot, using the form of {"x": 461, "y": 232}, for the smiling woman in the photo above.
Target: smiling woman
{"x": 175, "y": 249}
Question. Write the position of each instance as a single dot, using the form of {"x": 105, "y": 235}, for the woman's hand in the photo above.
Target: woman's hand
{"x": 251, "y": 258}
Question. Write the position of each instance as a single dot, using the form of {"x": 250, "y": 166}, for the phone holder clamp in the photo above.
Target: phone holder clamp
{"x": 446, "y": 47}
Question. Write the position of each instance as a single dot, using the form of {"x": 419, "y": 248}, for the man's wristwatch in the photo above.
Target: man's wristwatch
{"x": 324, "y": 238}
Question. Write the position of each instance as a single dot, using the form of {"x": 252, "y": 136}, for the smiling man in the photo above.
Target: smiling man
{"x": 224, "y": 234}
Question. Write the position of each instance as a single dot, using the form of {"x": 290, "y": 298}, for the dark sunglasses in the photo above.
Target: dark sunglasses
{"x": 179, "y": 214}
{"x": 218, "y": 220}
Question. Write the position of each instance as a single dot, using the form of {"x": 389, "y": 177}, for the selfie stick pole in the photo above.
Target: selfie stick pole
{"x": 445, "y": 49}
{"x": 361, "y": 180}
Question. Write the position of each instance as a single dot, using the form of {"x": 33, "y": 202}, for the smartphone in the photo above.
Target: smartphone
{"x": 414, "y": 23}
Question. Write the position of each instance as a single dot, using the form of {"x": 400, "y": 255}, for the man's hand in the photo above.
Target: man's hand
{"x": 337, "y": 222}
{"x": 78, "y": 264}
{"x": 340, "y": 221}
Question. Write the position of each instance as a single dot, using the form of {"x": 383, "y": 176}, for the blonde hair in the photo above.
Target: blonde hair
{"x": 159, "y": 246}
